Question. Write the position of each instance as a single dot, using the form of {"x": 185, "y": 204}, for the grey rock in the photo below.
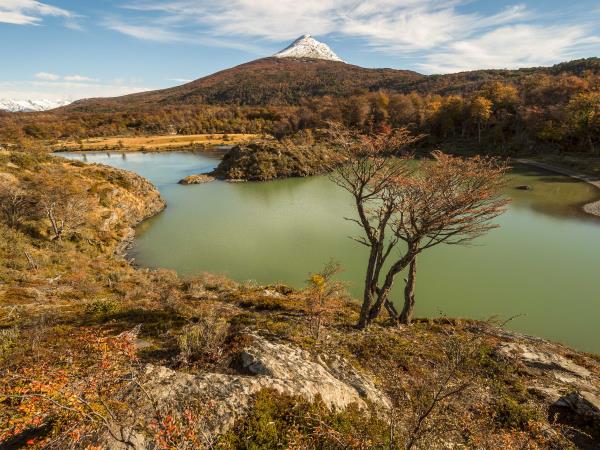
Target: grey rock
{"x": 538, "y": 358}
{"x": 265, "y": 365}
{"x": 584, "y": 404}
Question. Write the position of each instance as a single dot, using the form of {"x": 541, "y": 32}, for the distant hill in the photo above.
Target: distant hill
{"x": 267, "y": 81}
{"x": 290, "y": 81}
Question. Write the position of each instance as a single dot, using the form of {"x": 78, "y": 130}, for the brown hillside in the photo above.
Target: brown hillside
{"x": 289, "y": 81}
{"x": 268, "y": 81}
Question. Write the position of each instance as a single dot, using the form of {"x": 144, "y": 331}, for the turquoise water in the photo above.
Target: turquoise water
{"x": 542, "y": 265}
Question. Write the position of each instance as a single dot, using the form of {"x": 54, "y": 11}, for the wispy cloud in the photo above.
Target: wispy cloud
{"x": 171, "y": 30}
{"x": 28, "y": 12}
{"x": 443, "y": 33}
{"x": 47, "y": 76}
{"x": 148, "y": 33}
{"x": 511, "y": 47}
{"x": 391, "y": 24}
{"x": 180, "y": 80}
{"x": 78, "y": 78}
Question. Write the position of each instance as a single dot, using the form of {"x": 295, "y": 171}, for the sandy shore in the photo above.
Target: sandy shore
{"x": 591, "y": 208}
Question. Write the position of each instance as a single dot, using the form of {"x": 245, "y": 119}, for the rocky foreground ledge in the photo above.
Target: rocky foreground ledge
{"x": 565, "y": 387}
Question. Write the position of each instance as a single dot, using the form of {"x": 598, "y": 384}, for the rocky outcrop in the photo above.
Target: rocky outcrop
{"x": 197, "y": 179}
{"x": 260, "y": 365}
{"x": 565, "y": 384}
{"x": 562, "y": 368}
{"x": 134, "y": 199}
{"x": 585, "y": 404}
{"x": 265, "y": 161}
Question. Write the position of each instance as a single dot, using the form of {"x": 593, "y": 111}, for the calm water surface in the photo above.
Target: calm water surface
{"x": 542, "y": 265}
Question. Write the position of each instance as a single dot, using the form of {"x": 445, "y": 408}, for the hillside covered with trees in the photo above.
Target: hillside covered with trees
{"x": 510, "y": 111}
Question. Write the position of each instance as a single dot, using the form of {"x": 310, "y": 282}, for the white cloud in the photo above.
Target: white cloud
{"x": 180, "y": 80}
{"x": 28, "y": 12}
{"x": 390, "y": 24}
{"x": 78, "y": 78}
{"x": 511, "y": 47}
{"x": 47, "y": 76}
{"x": 149, "y": 33}
{"x": 275, "y": 20}
{"x": 162, "y": 31}
{"x": 443, "y": 33}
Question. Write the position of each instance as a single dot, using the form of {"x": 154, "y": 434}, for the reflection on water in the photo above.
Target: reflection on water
{"x": 552, "y": 194}
{"x": 542, "y": 264}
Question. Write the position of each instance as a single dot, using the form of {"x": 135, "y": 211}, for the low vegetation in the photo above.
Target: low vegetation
{"x": 79, "y": 328}
{"x": 154, "y": 143}
{"x": 298, "y": 156}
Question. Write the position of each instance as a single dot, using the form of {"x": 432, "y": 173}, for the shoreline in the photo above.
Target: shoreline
{"x": 592, "y": 208}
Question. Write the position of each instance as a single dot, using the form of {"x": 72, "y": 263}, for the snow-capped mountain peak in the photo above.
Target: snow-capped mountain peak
{"x": 308, "y": 47}
{"x": 31, "y": 105}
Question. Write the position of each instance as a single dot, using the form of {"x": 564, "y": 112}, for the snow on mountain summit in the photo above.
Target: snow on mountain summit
{"x": 308, "y": 47}
{"x": 30, "y": 105}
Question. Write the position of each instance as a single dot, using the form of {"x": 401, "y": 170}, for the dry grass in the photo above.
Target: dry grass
{"x": 155, "y": 142}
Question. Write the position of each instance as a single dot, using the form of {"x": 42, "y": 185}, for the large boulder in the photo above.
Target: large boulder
{"x": 584, "y": 404}
{"x": 536, "y": 357}
{"x": 569, "y": 389}
{"x": 260, "y": 365}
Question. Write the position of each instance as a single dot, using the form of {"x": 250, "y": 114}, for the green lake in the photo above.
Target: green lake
{"x": 542, "y": 265}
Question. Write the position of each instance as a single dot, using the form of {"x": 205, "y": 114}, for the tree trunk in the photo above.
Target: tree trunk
{"x": 383, "y": 293}
{"x": 369, "y": 292}
{"x": 57, "y": 230}
{"x": 479, "y": 131}
{"x": 363, "y": 320}
{"x": 392, "y": 311}
{"x": 409, "y": 294}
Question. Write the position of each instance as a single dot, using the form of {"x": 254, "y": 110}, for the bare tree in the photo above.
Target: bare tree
{"x": 448, "y": 200}
{"x": 15, "y": 204}
{"x": 64, "y": 205}
{"x": 368, "y": 174}
{"x": 421, "y": 412}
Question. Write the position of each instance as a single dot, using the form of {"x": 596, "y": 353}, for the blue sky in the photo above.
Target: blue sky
{"x": 69, "y": 49}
